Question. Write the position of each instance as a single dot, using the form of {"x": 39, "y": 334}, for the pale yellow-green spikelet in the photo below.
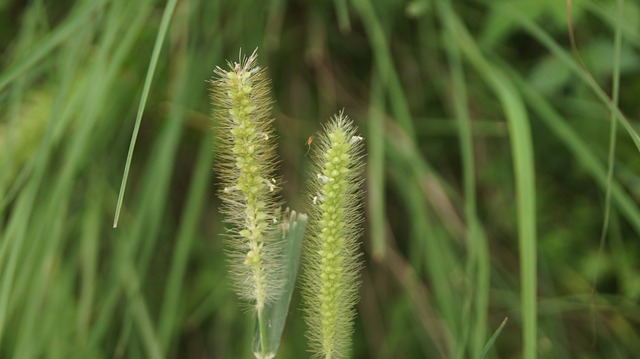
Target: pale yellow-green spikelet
{"x": 331, "y": 257}
{"x": 246, "y": 168}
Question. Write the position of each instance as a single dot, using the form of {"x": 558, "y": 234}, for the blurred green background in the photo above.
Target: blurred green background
{"x": 491, "y": 174}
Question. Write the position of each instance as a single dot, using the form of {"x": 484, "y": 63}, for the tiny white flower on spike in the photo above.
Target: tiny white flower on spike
{"x": 323, "y": 178}
{"x": 355, "y": 139}
{"x": 315, "y": 199}
{"x": 271, "y": 184}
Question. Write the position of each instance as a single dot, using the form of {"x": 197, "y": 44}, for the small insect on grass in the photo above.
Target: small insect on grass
{"x": 309, "y": 141}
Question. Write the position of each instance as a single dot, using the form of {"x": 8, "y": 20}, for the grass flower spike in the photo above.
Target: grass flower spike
{"x": 331, "y": 254}
{"x": 246, "y": 166}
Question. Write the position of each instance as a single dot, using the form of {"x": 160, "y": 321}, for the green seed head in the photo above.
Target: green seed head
{"x": 332, "y": 262}
{"x": 246, "y": 168}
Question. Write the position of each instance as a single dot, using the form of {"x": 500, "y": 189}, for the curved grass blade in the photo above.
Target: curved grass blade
{"x": 293, "y": 227}
{"x": 524, "y": 171}
{"x": 547, "y": 41}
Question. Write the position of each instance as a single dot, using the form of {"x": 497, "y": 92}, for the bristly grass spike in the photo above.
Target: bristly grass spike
{"x": 246, "y": 168}
{"x": 331, "y": 260}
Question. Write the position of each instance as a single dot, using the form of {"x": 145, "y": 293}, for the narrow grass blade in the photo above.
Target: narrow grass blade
{"x": 478, "y": 261}
{"x": 385, "y": 66}
{"x": 293, "y": 227}
{"x": 543, "y": 37}
{"x": 342, "y": 13}
{"x": 169, "y": 317}
{"x": 376, "y": 169}
{"x": 140, "y": 314}
{"x": 493, "y": 338}
{"x": 613, "y": 131}
{"x": 579, "y": 148}
{"x": 162, "y": 32}
{"x": 41, "y": 50}
{"x": 524, "y": 173}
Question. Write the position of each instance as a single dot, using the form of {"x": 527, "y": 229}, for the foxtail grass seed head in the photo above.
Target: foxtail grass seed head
{"x": 332, "y": 263}
{"x": 246, "y": 167}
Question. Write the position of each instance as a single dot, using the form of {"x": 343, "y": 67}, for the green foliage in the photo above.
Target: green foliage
{"x": 491, "y": 159}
